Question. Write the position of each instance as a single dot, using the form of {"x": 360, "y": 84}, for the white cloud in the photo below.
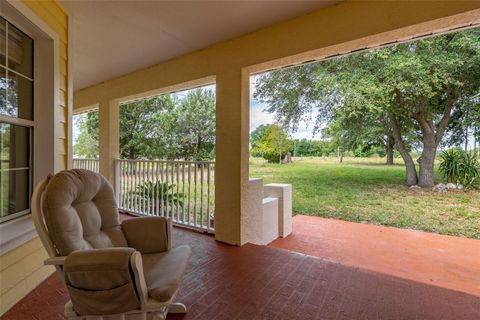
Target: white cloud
{"x": 259, "y": 117}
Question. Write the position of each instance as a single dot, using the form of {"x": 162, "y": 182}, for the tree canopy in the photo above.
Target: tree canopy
{"x": 162, "y": 127}
{"x": 407, "y": 92}
{"x": 273, "y": 144}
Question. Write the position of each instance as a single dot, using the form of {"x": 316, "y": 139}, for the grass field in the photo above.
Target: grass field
{"x": 365, "y": 190}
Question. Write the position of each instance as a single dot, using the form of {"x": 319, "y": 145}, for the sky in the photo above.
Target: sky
{"x": 257, "y": 116}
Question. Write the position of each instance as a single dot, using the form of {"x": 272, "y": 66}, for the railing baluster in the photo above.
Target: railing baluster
{"x": 172, "y": 198}
{"x": 177, "y": 204}
{"x": 208, "y": 196}
{"x": 162, "y": 195}
{"x": 195, "y": 195}
{"x": 147, "y": 190}
{"x": 154, "y": 186}
{"x": 189, "y": 184}
{"x": 166, "y": 189}
{"x": 183, "y": 192}
{"x": 123, "y": 184}
{"x": 130, "y": 186}
{"x": 144, "y": 187}
{"x": 157, "y": 184}
{"x": 201, "y": 195}
{"x": 152, "y": 192}
{"x": 118, "y": 182}
{"x": 135, "y": 175}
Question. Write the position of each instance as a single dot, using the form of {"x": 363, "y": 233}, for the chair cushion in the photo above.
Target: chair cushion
{"x": 81, "y": 213}
{"x": 147, "y": 234}
{"x": 164, "y": 272}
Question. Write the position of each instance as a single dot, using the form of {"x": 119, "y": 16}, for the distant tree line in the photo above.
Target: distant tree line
{"x": 269, "y": 141}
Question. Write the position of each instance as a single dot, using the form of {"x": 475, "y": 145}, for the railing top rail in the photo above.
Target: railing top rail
{"x": 92, "y": 159}
{"x": 165, "y": 161}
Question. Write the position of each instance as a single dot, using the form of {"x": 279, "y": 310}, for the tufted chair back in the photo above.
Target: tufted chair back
{"x": 80, "y": 212}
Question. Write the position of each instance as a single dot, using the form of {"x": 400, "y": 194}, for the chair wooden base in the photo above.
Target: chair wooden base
{"x": 177, "y": 307}
{"x": 159, "y": 313}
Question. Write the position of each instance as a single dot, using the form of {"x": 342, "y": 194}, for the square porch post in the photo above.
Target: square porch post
{"x": 231, "y": 164}
{"x": 109, "y": 124}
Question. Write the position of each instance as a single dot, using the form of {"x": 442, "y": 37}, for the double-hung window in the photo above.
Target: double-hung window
{"x": 16, "y": 120}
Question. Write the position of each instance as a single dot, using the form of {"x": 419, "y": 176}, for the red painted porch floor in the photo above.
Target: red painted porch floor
{"x": 257, "y": 282}
{"x": 443, "y": 261}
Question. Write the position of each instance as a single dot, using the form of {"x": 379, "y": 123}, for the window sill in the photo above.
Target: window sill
{"x": 16, "y": 232}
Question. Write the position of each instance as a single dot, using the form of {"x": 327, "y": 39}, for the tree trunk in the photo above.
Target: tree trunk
{"x": 431, "y": 139}
{"x": 466, "y": 139}
{"x": 466, "y": 124}
{"x": 410, "y": 168}
{"x": 389, "y": 146}
{"x": 427, "y": 160}
{"x": 475, "y": 142}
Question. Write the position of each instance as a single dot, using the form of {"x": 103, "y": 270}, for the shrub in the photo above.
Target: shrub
{"x": 461, "y": 167}
{"x": 158, "y": 195}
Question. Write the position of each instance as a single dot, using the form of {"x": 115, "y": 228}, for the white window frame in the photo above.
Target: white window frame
{"x": 25, "y": 123}
{"x": 16, "y": 232}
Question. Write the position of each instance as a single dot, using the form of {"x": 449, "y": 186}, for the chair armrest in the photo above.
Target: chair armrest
{"x": 148, "y": 234}
{"x": 55, "y": 261}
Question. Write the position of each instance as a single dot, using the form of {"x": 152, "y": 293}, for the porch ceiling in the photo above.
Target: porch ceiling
{"x": 112, "y": 38}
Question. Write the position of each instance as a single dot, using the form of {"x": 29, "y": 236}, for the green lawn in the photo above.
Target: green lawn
{"x": 364, "y": 190}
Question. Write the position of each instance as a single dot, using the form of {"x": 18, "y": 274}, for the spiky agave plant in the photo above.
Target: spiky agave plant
{"x": 450, "y": 164}
{"x": 461, "y": 167}
{"x": 469, "y": 170}
{"x": 158, "y": 194}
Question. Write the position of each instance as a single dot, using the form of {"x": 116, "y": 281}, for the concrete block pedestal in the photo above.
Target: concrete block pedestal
{"x": 283, "y": 192}
{"x": 268, "y": 212}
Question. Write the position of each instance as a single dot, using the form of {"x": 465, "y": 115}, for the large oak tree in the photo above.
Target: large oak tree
{"x": 409, "y": 89}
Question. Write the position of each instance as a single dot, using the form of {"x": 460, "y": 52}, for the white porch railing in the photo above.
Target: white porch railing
{"x": 89, "y": 164}
{"x": 181, "y": 190}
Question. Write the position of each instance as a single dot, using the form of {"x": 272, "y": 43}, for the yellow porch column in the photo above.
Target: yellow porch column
{"x": 231, "y": 163}
{"x": 109, "y": 116}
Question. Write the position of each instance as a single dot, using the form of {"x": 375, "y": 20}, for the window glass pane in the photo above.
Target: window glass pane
{"x": 3, "y": 40}
{"x": 14, "y": 146}
{"x": 19, "y": 97}
{"x": 20, "y": 51}
{"x": 14, "y": 191}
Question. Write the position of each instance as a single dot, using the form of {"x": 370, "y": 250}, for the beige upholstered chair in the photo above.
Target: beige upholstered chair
{"x": 112, "y": 270}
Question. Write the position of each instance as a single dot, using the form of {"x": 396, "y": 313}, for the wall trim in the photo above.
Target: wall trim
{"x": 16, "y": 232}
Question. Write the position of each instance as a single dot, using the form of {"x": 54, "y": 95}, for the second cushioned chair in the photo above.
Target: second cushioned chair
{"x": 112, "y": 270}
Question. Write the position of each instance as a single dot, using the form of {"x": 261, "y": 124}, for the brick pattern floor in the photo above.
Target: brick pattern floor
{"x": 255, "y": 282}
{"x": 444, "y": 261}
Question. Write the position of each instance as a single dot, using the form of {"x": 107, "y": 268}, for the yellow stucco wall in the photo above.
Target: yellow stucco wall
{"x": 338, "y": 29}
{"x": 21, "y": 269}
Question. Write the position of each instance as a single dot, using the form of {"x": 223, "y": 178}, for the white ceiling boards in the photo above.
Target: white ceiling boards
{"x": 112, "y": 38}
